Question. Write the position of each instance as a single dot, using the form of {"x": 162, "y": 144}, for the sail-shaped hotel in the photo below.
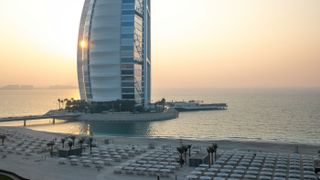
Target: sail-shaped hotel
{"x": 114, "y": 55}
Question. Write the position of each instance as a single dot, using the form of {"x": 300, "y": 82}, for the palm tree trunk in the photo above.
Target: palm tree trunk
{"x": 212, "y": 158}
{"x": 51, "y": 151}
{"x": 185, "y": 156}
{"x": 215, "y": 155}
{"x": 180, "y": 161}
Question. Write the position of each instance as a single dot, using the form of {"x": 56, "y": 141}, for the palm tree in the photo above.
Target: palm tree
{"x": 65, "y": 102}
{"x": 62, "y": 101}
{"x": 81, "y": 141}
{"x": 59, "y": 101}
{"x": 90, "y": 144}
{"x": 189, "y": 147}
{"x": 210, "y": 151}
{"x": 70, "y": 143}
{"x": 72, "y": 104}
{"x": 163, "y": 103}
{"x": 181, "y": 161}
{"x": 180, "y": 151}
{"x": 2, "y": 137}
{"x": 215, "y": 148}
{"x": 68, "y": 105}
{"x": 209, "y": 154}
{"x": 185, "y": 150}
{"x": 51, "y": 144}
{"x": 73, "y": 139}
{"x": 62, "y": 142}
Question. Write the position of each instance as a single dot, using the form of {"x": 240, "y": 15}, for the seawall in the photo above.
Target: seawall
{"x": 135, "y": 117}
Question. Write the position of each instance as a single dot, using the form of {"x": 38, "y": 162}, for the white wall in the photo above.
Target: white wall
{"x": 105, "y": 51}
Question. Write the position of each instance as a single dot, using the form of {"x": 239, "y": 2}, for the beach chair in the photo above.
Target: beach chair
{"x": 227, "y": 171}
{"x": 108, "y": 161}
{"x": 278, "y": 178}
{"x": 219, "y": 178}
{"x": 74, "y": 162}
{"x": 128, "y": 170}
{"x": 141, "y": 171}
{"x": 18, "y": 151}
{"x": 236, "y": 176}
{"x": 99, "y": 165}
{"x": 153, "y": 171}
{"x": 164, "y": 172}
{"x": 197, "y": 173}
{"x": 117, "y": 170}
{"x": 86, "y": 162}
{"x": 117, "y": 158}
{"x": 294, "y": 175}
{"x": 249, "y": 176}
{"x": 265, "y": 178}
{"x": 309, "y": 177}
{"x": 221, "y": 174}
{"x": 62, "y": 161}
{"x": 316, "y": 166}
{"x": 192, "y": 177}
{"x": 205, "y": 178}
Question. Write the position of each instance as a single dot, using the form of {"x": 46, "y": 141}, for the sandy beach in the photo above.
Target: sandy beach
{"x": 40, "y": 166}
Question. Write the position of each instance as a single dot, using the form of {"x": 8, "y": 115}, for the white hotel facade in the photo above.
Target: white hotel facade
{"x": 114, "y": 55}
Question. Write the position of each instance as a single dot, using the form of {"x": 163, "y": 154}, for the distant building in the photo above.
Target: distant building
{"x": 17, "y": 87}
{"x": 61, "y": 87}
{"x": 114, "y": 57}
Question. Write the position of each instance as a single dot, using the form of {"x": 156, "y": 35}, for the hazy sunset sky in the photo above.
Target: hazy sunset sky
{"x": 195, "y": 43}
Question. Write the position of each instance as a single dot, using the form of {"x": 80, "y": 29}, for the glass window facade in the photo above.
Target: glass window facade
{"x": 131, "y": 50}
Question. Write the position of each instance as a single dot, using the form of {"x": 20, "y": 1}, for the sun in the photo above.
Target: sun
{"x": 83, "y": 44}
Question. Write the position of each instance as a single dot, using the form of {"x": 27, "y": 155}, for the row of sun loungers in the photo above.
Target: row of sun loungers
{"x": 162, "y": 161}
{"x": 105, "y": 155}
{"x": 75, "y": 161}
{"x": 159, "y": 162}
{"x": 21, "y": 144}
{"x": 264, "y": 166}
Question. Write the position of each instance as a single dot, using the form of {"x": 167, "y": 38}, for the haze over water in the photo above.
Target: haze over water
{"x": 285, "y": 115}
{"x": 205, "y": 44}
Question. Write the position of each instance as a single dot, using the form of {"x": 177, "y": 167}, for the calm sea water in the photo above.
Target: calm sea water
{"x": 285, "y": 115}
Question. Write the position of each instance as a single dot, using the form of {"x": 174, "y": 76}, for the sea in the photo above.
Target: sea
{"x": 289, "y": 115}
